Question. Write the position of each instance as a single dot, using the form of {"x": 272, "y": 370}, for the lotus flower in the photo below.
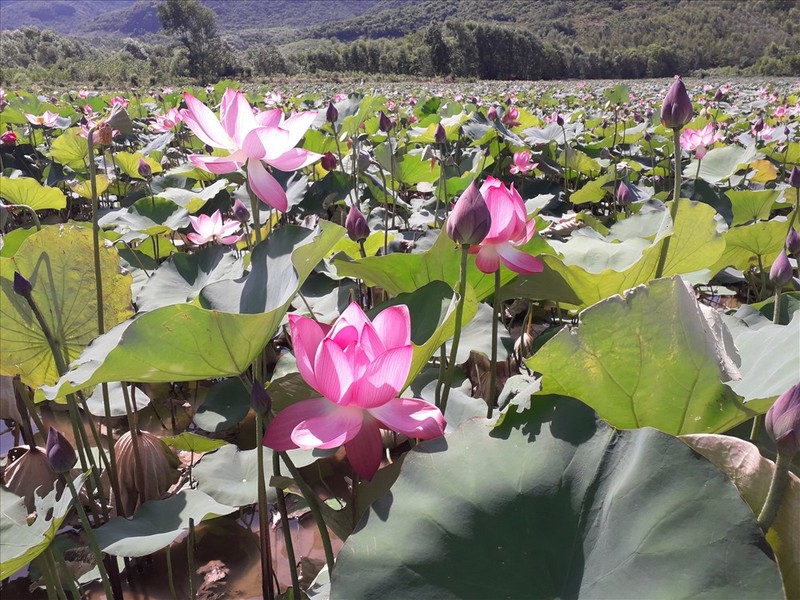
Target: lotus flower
{"x": 250, "y": 139}
{"x": 783, "y": 420}
{"x": 695, "y": 139}
{"x": 213, "y": 229}
{"x": 509, "y": 229}
{"x": 522, "y": 163}
{"x": 48, "y": 119}
{"x": 676, "y": 110}
{"x": 165, "y": 123}
{"x": 359, "y": 367}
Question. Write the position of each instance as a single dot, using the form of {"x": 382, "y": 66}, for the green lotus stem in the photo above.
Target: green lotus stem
{"x": 287, "y": 532}
{"x": 51, "y": 582}
{"x": 462, "y": 290}
{"x": 385, "y": 211}
{"x": 170, "y": 577}
{"x": 755, "y": 430}
{"x": 442, "y": 367}
{"x": 73, "y": 589}
{"x": 776, "y": 488}
{"x": 776, "y": 310}
{"x": 763, "y": 275}
{"x": 795, "y": 211}
{"x": 111, "y": 463}
{"x": 255, "y": 212}
{"x": 263, "y": 525}
{"x": 133, "y": 426}
{"x": 190, "y": 559}
{"x": 493, "y": 367}
{"x": 96, "y": 232}
{"x": 36, "y": 222}
{"x": 313, "y": 504}
{"x": 98, "y": 555}
{"x": 676, "y": 193}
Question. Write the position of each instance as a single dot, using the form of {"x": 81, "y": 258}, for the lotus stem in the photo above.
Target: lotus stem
{"x": 676, "y": 193}
{"x": 255, "y": 212}
{"x": 50, "y": 575}
{"x": 776, "y": 488}
{"x": 170, "y": 577}
{"x": 462, "y": 290}
{"x": 263, "y": 523}
{"x": 73, "y": 589}
{"x": 776, "y": 310}
{"x": 287, "y": 532}
{"x": 493, "y": 372}
{"x": 313, "y": 503}
{"x": 190, "y": 559}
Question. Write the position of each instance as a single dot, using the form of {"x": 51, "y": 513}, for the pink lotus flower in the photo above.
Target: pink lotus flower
{"x": 273, "y": 99}
{"x": 48, "y": 119}
{"x": 213, "y": 229}
{"x": 119, "y": 100}
{"x": 83, "y": 93}
{"x": 167, "y": 122}
{"x": 249, "y": 139}
{"x": 699, "y": 139}
{"x": 522, "y": 163}
{"x": 509, "y": 229}
{"x": 511, "y": 116}
{"x": 359, "y": 367}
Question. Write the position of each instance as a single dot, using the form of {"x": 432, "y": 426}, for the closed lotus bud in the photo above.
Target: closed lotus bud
{"x": 260, "y": 400}
{"x": 559, "y": 120}
{"x": 492, "y": 114}
{"x": 240, "y": 211}
{"x": 22, "y": 285}
{"x": 384, "y": 122}
{"x": 781, "y": 272}
{"x": 676, "y": 110}
{"x": 363, "y": 160}
{"x": 328, "y": 161}
{"x": 159, "y": 470}
{"x": 783, "y": 420}
{"x": 103, "y": 134}
{"x": 470, "y": 221}
{"x": 144, "y": 168}
{"x": 758, "y": 126}
{"x": 440, "y": 135}
{"x": 794, "y": 177}
{"x": 60, "y": 452}
{"x": 719, "y": 95}
{"x": 30, "y": 474}
{"x": 9, "y": 138}
{"x": 624, "y": 194}
{"x": 787, "y": 131}
{"x": 331, "y": 115}
{"x": 793, "y": 241}
{"x": 647, "y": 137}
{"x": 356, "y": 224}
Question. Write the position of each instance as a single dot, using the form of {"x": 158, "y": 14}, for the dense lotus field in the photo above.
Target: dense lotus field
{"x": 444, "y": 341}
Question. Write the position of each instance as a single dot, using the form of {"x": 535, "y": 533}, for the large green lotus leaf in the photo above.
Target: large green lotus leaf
{"x": 230, "y": 476}
{"x": 399, "y": 272}
{"x": 751, "y": 205}
{"x": 595, "y": 190}
{"x": 412, "y": 169}
{"x": 151, "y": 215}
{"x": 157, "y": 523}
{"x": 21, "y": 542}
{"x": 192, "y": 200}
{"x": 58, "y": 261}
{"x": 720, "y": 164}
{"x": 770, "y": 354}
{"x": 653, "y": 358}
{"x": 28, "y": 191}
{"x": 555, "y": 504}
{"x": 743, "y": 244}
{"x": 71, "y": 150}
{"x": 11, "y": 241}
{"x": 695, "y": 245}
{"x": 575, "y": 160}
{"x": 224, "y": 406}
{"x": 185, "y": 342}
{"x": 181, "y": 277}
{"x": 751, "y": 473}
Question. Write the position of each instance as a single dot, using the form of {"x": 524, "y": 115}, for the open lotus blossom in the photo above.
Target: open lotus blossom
{"x": 359, "y": 367}
{"x": 119, "y": 100}
{"x": 522, "y": 163}
{"x": 509, "y": 229}
{"x": 511, "y": 116}
{"x": 213, "y": 229}
{"x": 48, "y": 119}
{"x": 165, "y": 123}
{"x": 699, "y": 139}
{"x": 250, "y": 139}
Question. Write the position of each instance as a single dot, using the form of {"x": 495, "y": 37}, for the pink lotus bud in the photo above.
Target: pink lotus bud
{"x": 624, "y": 194}
{"x": 559, "y": 120}
{"x": 356, "y": 224}
{"x": 441, "y": 135}
{"x": 793, "y": 241}
{"x": 60, "y": 452}
{"x": 781, "y": 272}
{"x": 9, "y": 138}
{"x": 331, "y": 115}
{"x": 22, "y": 285}
{"x": 144, "y": 168}
{"x": 719, "y": 95}
{"x": 676, "y": 111}
{"x": 328, "y": 161}
{"x": 384, "y": 123}
{"x": 470, "y": 221}
{"x": 783, "y": 420}
{"x": 794, "y": 177}
{"x": 240, "y": 211}
{"x": 492, "y": 114}
{"x": 758, "y": 125}
{"x": 700, "y": 152}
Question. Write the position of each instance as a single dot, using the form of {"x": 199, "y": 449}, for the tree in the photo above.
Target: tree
{"x": 196, "y": 27}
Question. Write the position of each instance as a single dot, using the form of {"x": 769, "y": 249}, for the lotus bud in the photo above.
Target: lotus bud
{"x": 786, "y": 131}
{"x": 119, "y": 120}
{"x": 559, "y": 120}
{"x": 158, "y": 468}
{"x": 783, "y": 420}
{"x": 700, "y": 152}
{"x": 30, "y": 475}
{"x": 781, "y": 272}
{"x": 240, "y": 211}
{"x": 676, "y": 111}
{"x": 22, "y": 285}
{"x": 624, "y": 194}
{"x": 719, "y": 95}
{"x": 758, "y": 126}
{"x": 384, "y": 123}
{"x": 492, "y": 114}
{"x": 9, "y": 138}
{"x": 356, "y": 224}
{"x": 440, "y": 135}
{"x": 144, "y": 168}
{"x": 794, "y": 177}
{"x": 647, "y": 137}
{"x": 331, "y": 115}
{"x": 103, "y": 134}
{"x": 60, "y": 452}
{"x": 470, "y": 220}
{"x": 328, "y": 161}
{"x": 260, "y": 400}
{"x": 793, "y": 241}
{"x": 363, "y": 160}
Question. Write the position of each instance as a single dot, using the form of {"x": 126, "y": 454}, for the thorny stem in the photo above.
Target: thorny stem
{"x": 462, "y": 289}
{"x": 673, "y": 211}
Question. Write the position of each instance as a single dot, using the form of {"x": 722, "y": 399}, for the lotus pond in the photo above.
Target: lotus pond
{"x": 441, "y": 341}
